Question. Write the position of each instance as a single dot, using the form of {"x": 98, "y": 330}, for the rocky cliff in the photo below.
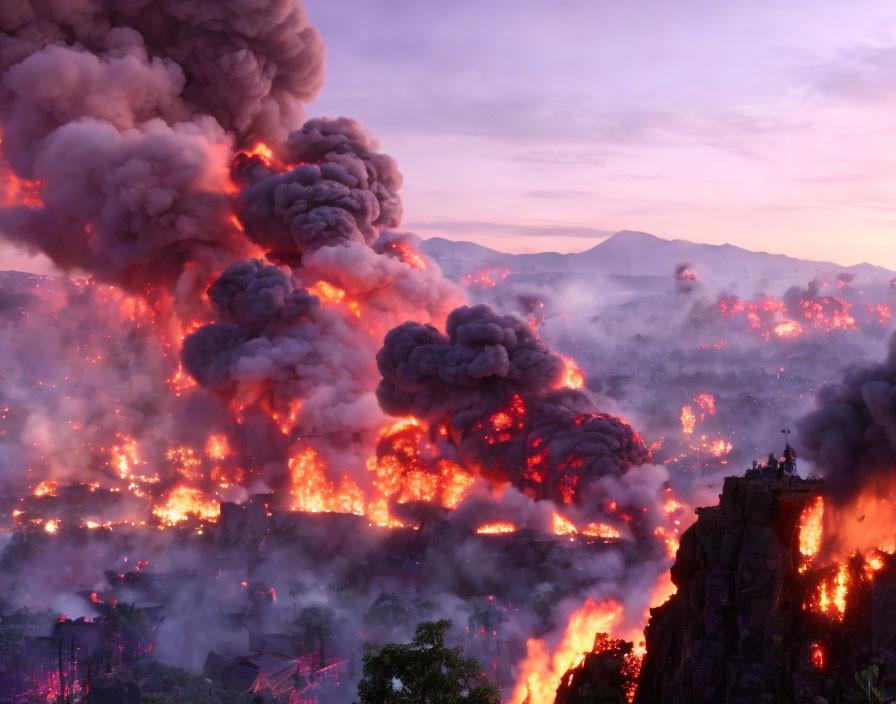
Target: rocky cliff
{"x": 748, "y": 625}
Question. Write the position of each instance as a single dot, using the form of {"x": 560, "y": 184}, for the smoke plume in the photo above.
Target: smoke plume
{"x": 499, "y": 387}
{"x": 226, "y": 369}
{"x": 851, "y": 435}
{"x": 126, "y": 115}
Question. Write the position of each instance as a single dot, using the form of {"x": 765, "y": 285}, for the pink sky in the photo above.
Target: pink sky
{"x": 529, "y": 126}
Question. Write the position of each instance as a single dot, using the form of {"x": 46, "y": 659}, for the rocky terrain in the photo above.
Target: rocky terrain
{"x": 749, "y": 625}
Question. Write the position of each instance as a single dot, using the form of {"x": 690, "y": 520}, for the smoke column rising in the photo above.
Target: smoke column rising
{"x": 162, "y": 152}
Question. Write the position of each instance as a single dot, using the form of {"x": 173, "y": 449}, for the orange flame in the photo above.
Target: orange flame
{"x": 817, "y": 655}
{"x": 788, "y": 328}
{"x": 496, "y": 528}
{"x": 601, "y": 530}
{"x": 575, "y": 377}
{"x": 562, "y": 525}
{"x": 185, "y": 461}
{"x": 263, "y": 152}
{"x": 217, "y": 447}
{"x": 541, "y": 672}
{"x": 180, "y": 382}
{"x": 707, "y": 405}
{"x": 408, "y": 255}
{"x": 314, "y": 492}
{"x": 811, "y": 530}
{"x": 47, "y": 487}
{"x": 327, "y": 293}
{"x": 484, "y": 277}
{"x": 403, "y": 473}
{"x": 185, "y": 501}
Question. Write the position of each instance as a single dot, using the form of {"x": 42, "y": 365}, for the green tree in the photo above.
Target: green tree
{"x": 423, "y": 671}
{"x": 868, "y": 691}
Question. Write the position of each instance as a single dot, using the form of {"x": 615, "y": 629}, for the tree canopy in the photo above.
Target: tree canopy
{"x": 423, "y": 671}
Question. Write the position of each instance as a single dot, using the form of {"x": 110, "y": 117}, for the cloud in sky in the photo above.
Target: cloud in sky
{"x": 703, "y": 120}
{"x": 479, "y": 227}
{"x": 865, "y": 73}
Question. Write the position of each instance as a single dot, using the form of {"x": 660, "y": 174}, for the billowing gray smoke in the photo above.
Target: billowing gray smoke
{"x": 124, "y": 119}
{"x": 499, "y": 386}
{"x": 248, "y": 65}
{"x": 126, "y": 114}
{"x": 273, "y": 343}
{"x": 851, "y": 436}
{"x": 685, "y": 277}
{"x": 251, "y": 297}
{"x": 134, "y": 124}
{"x": 341, "y": 190}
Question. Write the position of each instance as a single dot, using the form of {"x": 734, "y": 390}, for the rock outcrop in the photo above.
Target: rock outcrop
{"x": 745, "y": 625}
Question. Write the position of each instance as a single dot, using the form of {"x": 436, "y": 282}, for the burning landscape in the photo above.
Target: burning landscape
{"x": 250, "y": 426}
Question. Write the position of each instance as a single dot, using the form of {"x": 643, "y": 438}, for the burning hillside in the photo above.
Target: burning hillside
{"x": 227, "y": 380}
{"x": 250, "y": 427}
{"x": 269, "y": 361}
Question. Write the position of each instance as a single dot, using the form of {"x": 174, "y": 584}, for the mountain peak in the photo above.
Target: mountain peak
{"x": 628, "y": 239}
{"x": 635, "y": 235}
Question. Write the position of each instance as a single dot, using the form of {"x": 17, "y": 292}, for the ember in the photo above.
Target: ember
{"x": 817, "y": 655}
{"x": 485, "y": 278}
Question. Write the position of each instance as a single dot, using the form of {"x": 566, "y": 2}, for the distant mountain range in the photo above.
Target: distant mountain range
{"x": 638, "y": 254}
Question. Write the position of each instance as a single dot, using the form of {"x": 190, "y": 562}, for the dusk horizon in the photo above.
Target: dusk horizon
{"x": 698, "y": 121}
{"x": 396, "y": 352}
